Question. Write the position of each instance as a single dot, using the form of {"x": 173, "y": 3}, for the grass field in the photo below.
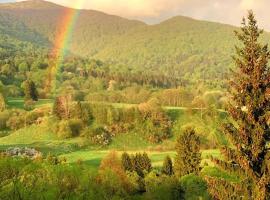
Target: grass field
{"x": 19, "y": 103}
{"x": 41, "y": 138}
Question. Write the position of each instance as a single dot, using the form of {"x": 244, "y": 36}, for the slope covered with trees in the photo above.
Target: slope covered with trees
{"x": 179, "y": 47}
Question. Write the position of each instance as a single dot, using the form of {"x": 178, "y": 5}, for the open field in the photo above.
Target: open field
{"x": 19, "y": 103}
{"x": 73, "y": 150}
{"x": 41, "y": 138}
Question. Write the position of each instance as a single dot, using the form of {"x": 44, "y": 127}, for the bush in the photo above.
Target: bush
{"x": 161, "y": 187}
{"x": 67, "y": 182}
{"x": 64, "y": 130}
{"x": 4, "y": 116}
{"x": 156, "y": 124}
{"x": 97, "y": 135}
{"x": 16, "y": 120}
{"x": 137, "y": 182}
{"x": 32, "y": 117}
{"x": 29, "y": 105}
{"x": 76, "y": 126}
{"x": 69, "y": 128}
{"x": 112, "y": 176}
{"x": 194, "y": 187}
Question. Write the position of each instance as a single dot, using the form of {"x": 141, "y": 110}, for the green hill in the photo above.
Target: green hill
{"x": 180, "y": 47}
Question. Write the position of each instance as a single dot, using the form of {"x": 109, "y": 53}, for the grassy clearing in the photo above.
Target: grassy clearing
{"x": 39, "y": 137}
{"x": 19, "y": 103}
{"x": 72, "y": 149}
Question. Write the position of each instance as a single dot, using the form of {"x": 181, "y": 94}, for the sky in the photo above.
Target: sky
{"x": 155, "y": 11}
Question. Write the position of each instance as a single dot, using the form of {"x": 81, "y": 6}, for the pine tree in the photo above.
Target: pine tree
{"x": 126, "y": 162}
{"x": 248, "y": 130}
{"x": 167, "y": 167}
{"x": 146, "y": 162}
{"x": 141, "y": 164}
{"x": 30, "y": 91}
{"x": 188, "y": 156}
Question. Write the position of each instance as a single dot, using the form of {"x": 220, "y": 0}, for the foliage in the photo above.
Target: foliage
{"x": 157, "y": 124}
{"x": 2, "y": 103}
{"x": 248, "y": 130}
{"x": 64, "y": 130}
{"x": 113, "y": 176}
{"x": 167, "y": 167}
{"x": 30, "y": 91}
{"x": 4, "y": 116}
{"x": 97, "y": 135}
{"x": 29, "y": 105}
{"x": 61, "y": 107}
{"x": 126, "y": 162}
{"x": 194, "y": 187}
{"x": 162, "y": 187}
{"x": 141, "y": 164}
{"x": 188, "y": 156}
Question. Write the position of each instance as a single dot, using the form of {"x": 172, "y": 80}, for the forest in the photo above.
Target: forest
{"x": 134, "y": 111}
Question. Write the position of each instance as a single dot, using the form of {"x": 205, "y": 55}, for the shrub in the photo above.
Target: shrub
{"x": 32, "y": 117}
{"x": 167, "y": 167}
{"x": 67, "y": 182}
{"x": 97, "y": 135}
{"x": 161, "y": 187}
{"x": 194, "y": 187}
{"x": 137, "y": 182}
{"x": 29, "y": 105}
{"x": 16, "y": 120}
{"x": 76, "y": 126}
{"x": 4, "y": 116}
{"x": 113, "y": 176}
{"x": 64, "y": 130}
{"x": 156, "y": 122}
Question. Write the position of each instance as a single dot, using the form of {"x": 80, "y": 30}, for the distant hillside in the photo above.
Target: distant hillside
{"x": 180, "y": 46}
{"x": 92, "y": 32}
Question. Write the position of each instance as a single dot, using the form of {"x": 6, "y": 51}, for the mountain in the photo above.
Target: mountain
{"x": 181, "y": 46}
{"x": 93, "y": 29}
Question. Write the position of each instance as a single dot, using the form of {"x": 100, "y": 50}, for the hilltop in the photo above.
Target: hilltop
{"x": 181, "y": 46}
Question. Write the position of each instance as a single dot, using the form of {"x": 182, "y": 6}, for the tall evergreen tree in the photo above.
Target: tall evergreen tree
{"x": 126, "y": 162}
{"x": 30, "y": 90}
{"x": 141, "y": 163}
{"x": 248, "y": 130}
{"x": 167, "y": 167}
{"x": 188, "y": 156}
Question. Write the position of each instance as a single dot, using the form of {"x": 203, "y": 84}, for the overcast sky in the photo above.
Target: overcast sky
{"x": 154, "y": 11}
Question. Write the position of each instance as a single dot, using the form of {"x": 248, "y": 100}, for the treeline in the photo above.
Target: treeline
{"x": 100, "y": 122}
{"x": 130, "y": 176}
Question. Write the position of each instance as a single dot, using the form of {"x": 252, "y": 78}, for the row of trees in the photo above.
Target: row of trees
{"x": 187, "y": 160}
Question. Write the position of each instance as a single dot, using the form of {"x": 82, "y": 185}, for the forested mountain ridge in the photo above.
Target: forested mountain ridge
{"x": 197, "y": 51}
{"x": 92, "y": 27}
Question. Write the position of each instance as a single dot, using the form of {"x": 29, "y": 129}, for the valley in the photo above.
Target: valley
{"x": 98, "y": 106}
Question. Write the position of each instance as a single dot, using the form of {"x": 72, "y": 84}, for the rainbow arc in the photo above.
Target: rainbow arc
{"x": 62, "y": 41}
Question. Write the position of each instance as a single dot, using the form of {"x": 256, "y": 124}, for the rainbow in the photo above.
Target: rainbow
{"x": 62, "y": 41}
